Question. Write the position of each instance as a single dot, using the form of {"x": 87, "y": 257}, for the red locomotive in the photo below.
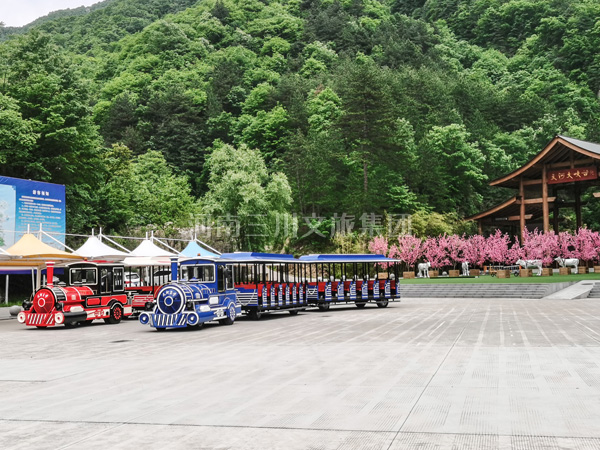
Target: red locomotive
{"x": 90, "y": 291}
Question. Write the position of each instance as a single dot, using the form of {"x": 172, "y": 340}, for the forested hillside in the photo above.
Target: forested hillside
{"x": 356, "y": 106}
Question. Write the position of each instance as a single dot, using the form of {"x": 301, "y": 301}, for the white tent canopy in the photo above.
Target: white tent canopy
{"x": 94, "y": 248}
{"x": 148, "y": 254}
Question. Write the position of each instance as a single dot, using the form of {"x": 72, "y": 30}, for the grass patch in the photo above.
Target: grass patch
{"x": 494, "y": 280}
{"x": 6, "y": 305}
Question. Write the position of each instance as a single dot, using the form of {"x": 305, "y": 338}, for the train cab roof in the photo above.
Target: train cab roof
{"x": 346, "y": 258}
{"x": 93, "y": 264}
{"x": 203, "y": 260}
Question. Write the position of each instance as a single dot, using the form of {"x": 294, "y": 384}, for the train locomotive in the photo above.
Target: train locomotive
{"x": 204, "y": 293}
{"x": 91, "y": 291}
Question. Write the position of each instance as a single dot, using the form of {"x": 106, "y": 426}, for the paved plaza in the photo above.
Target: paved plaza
{"x": 421, "y": 374}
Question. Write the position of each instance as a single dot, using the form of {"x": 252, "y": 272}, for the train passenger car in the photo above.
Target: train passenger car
{"x": 204, "y": 293}
{"x": 358, "y": 279}
{"x": 142, "y": 283}
{"x": 267, "y": 282}
{"x": 89, "y": 291}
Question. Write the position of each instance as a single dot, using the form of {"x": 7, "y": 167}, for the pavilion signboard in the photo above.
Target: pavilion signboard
{"x": 571, "y": 175}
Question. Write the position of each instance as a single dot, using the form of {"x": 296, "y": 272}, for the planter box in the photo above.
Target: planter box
{"x": 474, "y": 272}
{"x": 382, "y": 276}
{"x": 436, "y": 273}
{"x": 454, "y": 273}
{"x": 582, "y": 270}
{"x": 596, "y": 269}
{"x": 525, "y": 272}
{"x": 564, "y": 271}
{"x": 503, "y": 273}
{"x": 407, "y": 275}
{"x": 547, "y": 272}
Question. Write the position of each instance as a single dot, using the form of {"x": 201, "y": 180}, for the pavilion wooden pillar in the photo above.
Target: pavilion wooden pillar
{"x": 480, "y": 227}
{"x": 545, "y": 208}
{"x": 555, "y": 210}
{"x": 522, "y": 207}
{"x": 578, "y": 206}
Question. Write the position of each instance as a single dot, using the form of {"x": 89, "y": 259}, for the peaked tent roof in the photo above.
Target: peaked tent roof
{"x": 32, "y": 251}
{"x": 148, "y": 254}
{"x": 149, "y": 249}
{"x": 192, "y": 250}
{"x": 94, "y": 248}
{"x": 31, "y": 247}
{"x": 560, "y": 149}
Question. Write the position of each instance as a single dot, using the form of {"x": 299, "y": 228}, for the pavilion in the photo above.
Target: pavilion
{"x": 564, "y": 169}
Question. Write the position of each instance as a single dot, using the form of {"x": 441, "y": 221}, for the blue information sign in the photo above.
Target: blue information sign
{"x": 26, "y": 203}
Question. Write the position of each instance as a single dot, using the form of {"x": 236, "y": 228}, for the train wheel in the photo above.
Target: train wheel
{"x": 116, "y": 314}
{"x": 230, "y": 316}
{"x": 323, "y": 306}
{"x": 294, "y": 313}
{"x": 383, "y": 304}
{"x": 194, "y": 327}
{"x": 160, "y": 329}
{"x": 361, "y": 305}
{"x": 255, "y": 313}
{"x": 85, "y": 323}
{"x": 71, "y": 324}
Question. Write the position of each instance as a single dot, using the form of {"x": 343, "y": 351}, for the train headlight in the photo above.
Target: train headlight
{"x": 59, "y": 318}
{"x": 205, "y": 308}
{"x": 144, "y": 318}
{"x": 193, "y": 319}
{"x": 21, "y": 317}
{"x": 213, "y": 300}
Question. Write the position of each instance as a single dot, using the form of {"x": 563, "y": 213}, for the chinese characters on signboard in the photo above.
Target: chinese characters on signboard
{"x": 570, "y": 175}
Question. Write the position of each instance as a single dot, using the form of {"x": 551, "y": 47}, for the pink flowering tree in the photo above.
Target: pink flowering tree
{"x": 596, "y": 240}
{"x": 379, "y": 245}
{"x": 434, "y": 251}
{"x": 515, "y": 252}
{"x": 497, "y": 248}
{"x": 410, "y": 249}
{"x": 538, "y": 245}
{"x": 474, "y": 250}
{"x": 585, "y": 245}
{"x": 565, "y": 245}
{"x": 455, "y": 247}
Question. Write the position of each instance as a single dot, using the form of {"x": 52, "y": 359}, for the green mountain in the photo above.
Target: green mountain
{"x": 363, "y": 106}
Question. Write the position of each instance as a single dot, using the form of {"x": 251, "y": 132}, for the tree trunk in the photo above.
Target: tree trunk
{"x": 366, "y": 178}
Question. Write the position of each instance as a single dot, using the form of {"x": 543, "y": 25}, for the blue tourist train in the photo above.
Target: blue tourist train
{"x": 221, "y": 289}
{"x": 204, "y": 293}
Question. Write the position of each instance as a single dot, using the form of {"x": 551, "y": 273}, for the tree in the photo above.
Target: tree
{"x": 452, "y": 169}
{"x": 497, "y": 247}
{"x": 409, "y": 249}
{"x": 60, "y": 143}
{"x": 160, "y": 197}
{"x": 368, "y": 120}
{"x": 241, "y": 188}
{"x": 434, "y": 251}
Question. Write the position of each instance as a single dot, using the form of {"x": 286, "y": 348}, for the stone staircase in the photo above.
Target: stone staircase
{"x": 491, "y": 290}
{"x": 595, "y": 292}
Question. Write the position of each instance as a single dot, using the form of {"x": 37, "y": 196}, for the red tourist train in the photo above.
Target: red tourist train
{"x": 90, "y": 291}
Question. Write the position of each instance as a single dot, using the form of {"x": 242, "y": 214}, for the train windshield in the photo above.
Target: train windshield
{"x": 204, "y": 273}
{"x": 83, "y": 276}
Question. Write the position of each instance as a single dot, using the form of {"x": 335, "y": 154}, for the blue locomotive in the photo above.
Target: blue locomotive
{"x": 204, "y": 293}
